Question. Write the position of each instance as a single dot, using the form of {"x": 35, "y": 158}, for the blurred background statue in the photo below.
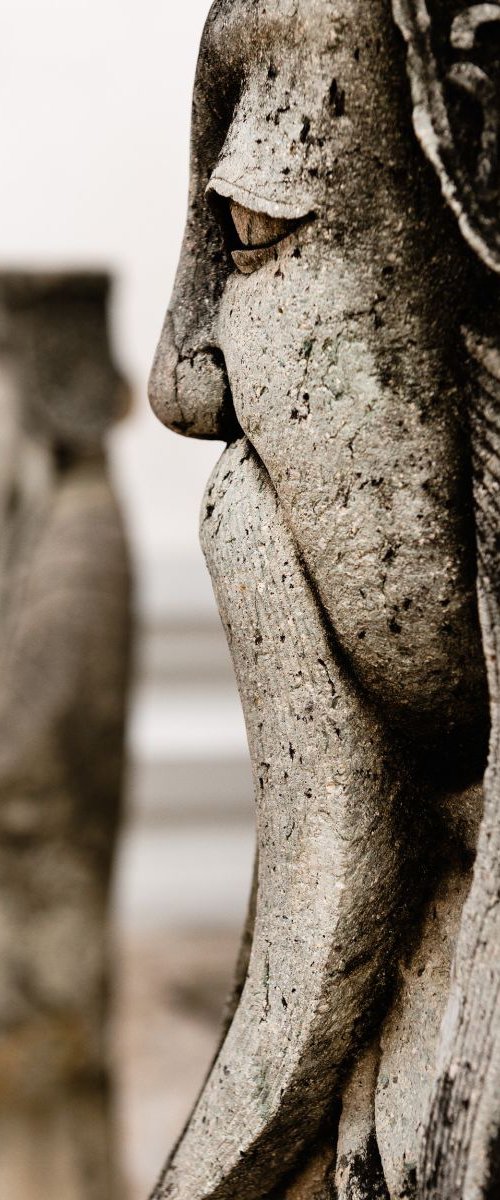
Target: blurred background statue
{"x": 335, "y": 325}
{"x": 64, "y": 649}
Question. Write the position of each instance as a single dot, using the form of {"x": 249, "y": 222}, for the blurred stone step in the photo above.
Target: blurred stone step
{"x": 186, "y": 791}
{"x": 175, "y": 878}
{"x": 188, "y": 651}
{"x": 177, "y": 722}
{"x": 188, "y": 754}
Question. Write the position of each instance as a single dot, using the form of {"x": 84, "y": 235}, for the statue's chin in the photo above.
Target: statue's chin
{"x": 422, "y": 664}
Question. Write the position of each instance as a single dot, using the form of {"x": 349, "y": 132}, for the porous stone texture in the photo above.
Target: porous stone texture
{"x": 410, "y": 1033}
{"x": 323, "y": 294}
{"x": 64, "y": 632}
{"x": 359, "y": 1174}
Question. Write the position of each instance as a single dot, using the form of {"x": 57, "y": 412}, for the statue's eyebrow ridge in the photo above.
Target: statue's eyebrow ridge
{"x": 235, "y": 190}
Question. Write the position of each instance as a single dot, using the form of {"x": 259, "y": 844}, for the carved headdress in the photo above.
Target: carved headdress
{"x": 454, "y": 69}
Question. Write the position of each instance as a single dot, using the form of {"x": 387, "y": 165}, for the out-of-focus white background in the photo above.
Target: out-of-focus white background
{"x": 95, "y": 100}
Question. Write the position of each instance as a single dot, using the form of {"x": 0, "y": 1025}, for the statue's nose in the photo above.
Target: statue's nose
{"x": 162, "y": 389}
{"x": 189, "y": 390}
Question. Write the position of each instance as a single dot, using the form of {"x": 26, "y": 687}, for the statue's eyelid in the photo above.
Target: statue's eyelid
{"x": 250, "y": 228}
{"x": 254, "y": 231}
{"x": 262, "y": 205}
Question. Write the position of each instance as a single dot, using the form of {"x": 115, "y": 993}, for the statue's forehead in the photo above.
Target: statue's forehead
{"x": 248, "y": 28}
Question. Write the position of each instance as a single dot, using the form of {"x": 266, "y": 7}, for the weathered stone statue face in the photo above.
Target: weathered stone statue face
{"x": 316, "y": 325}
{"x": 320, "y": 316}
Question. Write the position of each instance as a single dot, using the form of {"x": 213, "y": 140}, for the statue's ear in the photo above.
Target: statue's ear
{"x": 454, "y": 69}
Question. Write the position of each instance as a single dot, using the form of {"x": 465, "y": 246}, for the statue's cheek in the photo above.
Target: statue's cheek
{"x": 269, "y": 324}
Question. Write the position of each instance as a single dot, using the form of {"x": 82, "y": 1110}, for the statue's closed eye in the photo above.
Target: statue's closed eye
{"x": 253, "y": 237}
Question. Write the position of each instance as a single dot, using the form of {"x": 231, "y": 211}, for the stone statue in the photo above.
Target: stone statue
{"x": 336, "y": 325}
{"x": 64, "y": 632}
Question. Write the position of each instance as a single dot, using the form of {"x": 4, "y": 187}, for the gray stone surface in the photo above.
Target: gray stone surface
{"x": 317, "y": 325}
